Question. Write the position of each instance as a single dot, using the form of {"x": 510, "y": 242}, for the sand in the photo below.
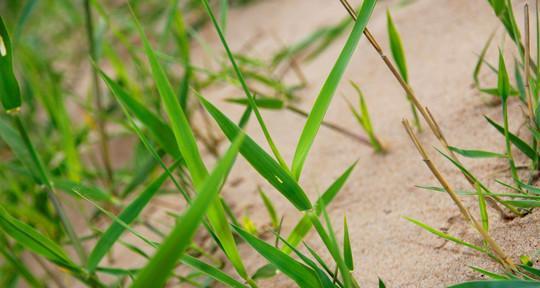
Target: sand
{"x": 440, "y": 39}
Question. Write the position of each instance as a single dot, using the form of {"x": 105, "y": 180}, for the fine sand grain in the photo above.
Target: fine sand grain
{"x": 440, "y": 39}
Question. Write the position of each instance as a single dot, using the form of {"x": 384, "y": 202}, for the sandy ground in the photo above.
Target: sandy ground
{"x": 440, "y": 39}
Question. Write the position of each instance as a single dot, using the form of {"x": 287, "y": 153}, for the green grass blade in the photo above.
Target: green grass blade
{"x": 190, "y": 152}
{"x": 396, "y": 47}
{"x": 481, "y": 58}
{"x": 520, "y": 144}
{"x": 498, "y": 284}
{"x": 476, "y": 153}
{"x": 261, "y": 161}
{"x": 243, "y": 83}
{"x": 10, "y": 94}
{"x": 298, "y": 272}
{"x": 446, "y": 235}
{"x": 328, "y": 89}
{"x": 503, "y": 85}
{"x": 270, "y": 208}
{"x": 211, "y": 271}
{"x": 347, "y": 251}
{"x": 179, "y": 122}
{"x": 489, "y": 274}
{"x": 483, "y": 207}
{"x": 157, "y": 270}
{"x": 261, "y": 102}
{"x": 33, "y": 240}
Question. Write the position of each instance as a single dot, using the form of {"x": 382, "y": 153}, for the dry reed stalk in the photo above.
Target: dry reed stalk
{"x": 503, "y": 258}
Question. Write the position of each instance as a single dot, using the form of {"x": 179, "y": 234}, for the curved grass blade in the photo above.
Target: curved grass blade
{"x": 480, "y": 61}
{"x": 298, "y": 272}
{"x": 476, "y": 153}
{"x": 270, "y": 208}
{"x": 520, "y": 144}
{"x": 347, "y": 251}
{"x": 243, "y": 83}
{"x": 156, "y": 272}
{"x": 211, "y": 271}
{"x": 445, "y": 235}
{"x": 498, "y": 284}
{"x": 322, "y": 103}
{"x": 261, "y": 161}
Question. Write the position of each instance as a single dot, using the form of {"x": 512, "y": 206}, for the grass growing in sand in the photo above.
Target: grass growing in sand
{"x": 144, "y": 86}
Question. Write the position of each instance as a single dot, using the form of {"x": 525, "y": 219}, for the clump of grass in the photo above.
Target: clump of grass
{"x": 361, "y": 114}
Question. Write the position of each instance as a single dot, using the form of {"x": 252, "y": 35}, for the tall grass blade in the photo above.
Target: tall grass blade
{"x": 243, "y": 83}
{"x": 322, "y": 103}
{"x": 398, "y": 53}
{"x": 347, "y": 251}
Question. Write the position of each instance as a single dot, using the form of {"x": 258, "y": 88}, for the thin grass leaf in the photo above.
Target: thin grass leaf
{"x": 503, "y": 85}
{"x": 498, "y": 284}
{"x": 445, "y": 235}
{"x": 490, "y": 274}
{"x": 34, "y": 240}
{"x": 157, "y": 270}
{"x": 483, "y": 207}
{"x": 298, "y": 272}
{"x": 381, "y": 283}
{"x": 93, "y": 193}
{"x": 243, "y": 83}
{"x": 530, "y": 188}
{"x": 328, "y": 89}
{"x": 481, "y": 58}
{"x": 261, "y": 161}
{"x": 476, "y": 153}
{"x": 270, "y": 208}
{"x": 520, "y": 144}
{"x": 261, "y": 102}
{"x": 396, "y": 47}
{"x": 190, "y": 152}
{"x": 347, "y": 251}
{"x": 524, "y": 203}
{"x": 10, "y": 94}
